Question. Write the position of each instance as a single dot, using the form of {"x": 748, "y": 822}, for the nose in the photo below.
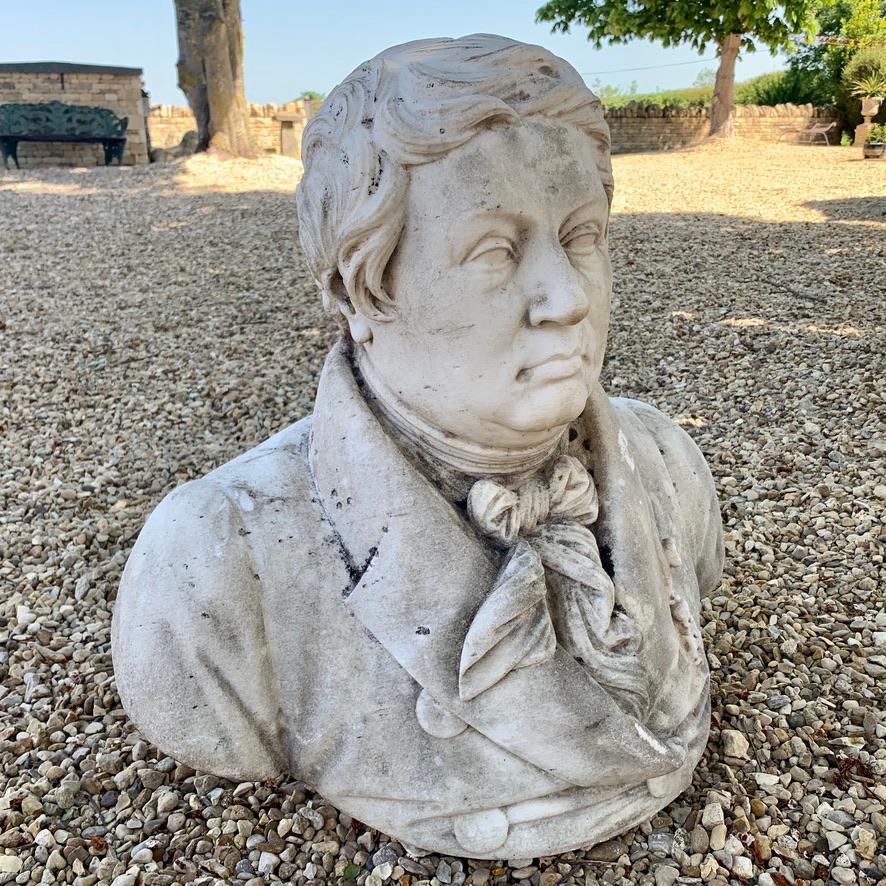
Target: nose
{"x": 557, "y": 293}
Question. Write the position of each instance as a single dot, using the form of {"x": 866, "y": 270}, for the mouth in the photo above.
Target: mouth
{"x": 554, "y": 368}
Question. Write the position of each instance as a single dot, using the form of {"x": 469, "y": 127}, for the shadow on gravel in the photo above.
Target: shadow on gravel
{"x": 852, "y": 209}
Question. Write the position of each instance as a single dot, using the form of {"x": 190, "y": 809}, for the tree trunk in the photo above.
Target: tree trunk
{"x": 721, "y": 103}
{"x": 210, "y": 73}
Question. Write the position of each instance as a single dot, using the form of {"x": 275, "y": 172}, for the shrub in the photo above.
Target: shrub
{"x": 865, "y": 73}
{"x": 776, "y": 88}
{"x": 877, "y": 135}
{"x": 691, "y": 97}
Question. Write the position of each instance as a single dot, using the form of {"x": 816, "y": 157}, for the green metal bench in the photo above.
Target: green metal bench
{"x": 58, "y": 122}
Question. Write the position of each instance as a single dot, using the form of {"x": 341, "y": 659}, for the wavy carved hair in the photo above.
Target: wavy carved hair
{"x": 409, "y": 105}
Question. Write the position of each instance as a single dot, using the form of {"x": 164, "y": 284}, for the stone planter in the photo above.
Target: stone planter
{"x": 870, "y": 106}
{"x": 874, "y": 150}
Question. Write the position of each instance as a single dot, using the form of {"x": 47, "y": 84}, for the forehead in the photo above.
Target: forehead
{"x": 537, "y": 168}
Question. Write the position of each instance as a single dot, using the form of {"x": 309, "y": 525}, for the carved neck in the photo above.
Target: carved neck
{"x": 436, "y": 445}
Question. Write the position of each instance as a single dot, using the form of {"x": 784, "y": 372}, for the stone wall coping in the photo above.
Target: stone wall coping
{"x": 633, "y": 109}
{"x": 65, "y": 68}
{"x": 294, "y": 109}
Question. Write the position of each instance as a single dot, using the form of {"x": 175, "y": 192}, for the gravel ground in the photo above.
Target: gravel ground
{"x": 157, "y": 321}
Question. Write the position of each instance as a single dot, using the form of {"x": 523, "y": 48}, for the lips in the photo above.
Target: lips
{"x": 554, "y": 368}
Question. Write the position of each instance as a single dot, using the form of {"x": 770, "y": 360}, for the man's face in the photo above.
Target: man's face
{"x": 501, "y": 284}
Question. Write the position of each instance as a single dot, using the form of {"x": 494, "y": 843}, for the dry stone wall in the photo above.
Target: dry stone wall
{"x": 119, "y": 89}
{"x": 636, "y": 128}
{"x": 168, "y": 123}
{"x": 633, "y": 128}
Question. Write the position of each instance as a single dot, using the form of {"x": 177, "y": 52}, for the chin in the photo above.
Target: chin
{"x": 553, "y": 406}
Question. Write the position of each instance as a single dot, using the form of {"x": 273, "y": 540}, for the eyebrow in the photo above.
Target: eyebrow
{"x": 479, "y": 224}
{"x": 594, "y": 210}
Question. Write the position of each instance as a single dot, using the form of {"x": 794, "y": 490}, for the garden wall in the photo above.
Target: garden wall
{"x": 653, "y": 128}
{"x": 168, "y": 123}
{"x": 119, "y": 89}
{"x": 633, "y": 128}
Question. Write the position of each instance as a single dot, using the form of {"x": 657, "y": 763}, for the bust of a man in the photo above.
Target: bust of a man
{"x": 461, "y": 598}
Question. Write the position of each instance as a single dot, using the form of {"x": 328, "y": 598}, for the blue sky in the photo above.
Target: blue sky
{"x": 292, "y": 46}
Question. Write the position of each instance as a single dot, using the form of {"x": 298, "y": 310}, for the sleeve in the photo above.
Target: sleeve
{"x": 191, "y": 658}
{"x": 697, "y": 504}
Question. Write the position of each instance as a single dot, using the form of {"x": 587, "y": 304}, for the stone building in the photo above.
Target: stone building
{"x": 119, "y": 89}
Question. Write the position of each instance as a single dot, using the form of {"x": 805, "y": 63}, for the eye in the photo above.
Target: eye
{"x": 582, "y": 240}
{"x": 492, "y": 253}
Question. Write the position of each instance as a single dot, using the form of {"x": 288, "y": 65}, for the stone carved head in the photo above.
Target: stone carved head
{"x": 453, "y": 210}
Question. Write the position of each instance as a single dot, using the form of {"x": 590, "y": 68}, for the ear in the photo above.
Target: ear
{"x": 336, "y": 301}
{"x": 358, "y": 325}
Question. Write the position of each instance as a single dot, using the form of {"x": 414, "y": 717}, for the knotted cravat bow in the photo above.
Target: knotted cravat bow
{"x": 552, "y": 588}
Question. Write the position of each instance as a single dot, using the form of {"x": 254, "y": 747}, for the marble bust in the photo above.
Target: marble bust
{"x": 461, "y": 599}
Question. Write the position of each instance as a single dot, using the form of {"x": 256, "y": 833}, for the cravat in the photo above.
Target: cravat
{"x": 552, "y": 588}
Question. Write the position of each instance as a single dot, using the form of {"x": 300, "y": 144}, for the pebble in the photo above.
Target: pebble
{"x": 699, "y": 841}
{"x": 10, "y": 864}
{"x": 167, "y": 801}
{"x": 267, "y": 863}
{"x": 708, "y": 867}
{"x": 611, "y": 850}
{"x": 742, "y": 867}
{"x": 660, "y": 842}
{"x": 836, "y": 840}
{"x": 865, "y": 842}
{"x": 665, "y": 875}
{"x": 718, "y": 837}
{"x": 712, "y": 815}
{"x": 734, "y": 744}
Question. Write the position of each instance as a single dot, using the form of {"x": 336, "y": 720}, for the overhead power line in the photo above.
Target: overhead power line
{"x": 697, "y": 61}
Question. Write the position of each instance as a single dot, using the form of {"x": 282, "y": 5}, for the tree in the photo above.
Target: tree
{"x": 210, "y": 73}
{"x": 731, "y": 25}
{"x": 311, "y": 95}
{"x": 705, "y": 77}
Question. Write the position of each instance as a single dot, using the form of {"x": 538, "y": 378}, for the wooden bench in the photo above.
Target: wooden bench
{"x": 58, "y": 122}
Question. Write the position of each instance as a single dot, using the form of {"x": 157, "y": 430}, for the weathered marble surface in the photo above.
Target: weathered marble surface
{"x": 461, "y": 599}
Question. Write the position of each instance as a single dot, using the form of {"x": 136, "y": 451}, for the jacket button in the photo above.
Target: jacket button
{"x": 481, "y": 832}
{"x": 435, "y": 720}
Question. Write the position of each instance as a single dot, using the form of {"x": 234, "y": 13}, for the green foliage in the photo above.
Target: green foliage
{"x": 731, "y": 25}
{"x": 846, "y": 140}
{"x": 778, "y": 87}
{"x": 871, "y": 86}
{"x": 683, "y": 21}
{"x": 865, "y": 73}
{"x": 775, "y": 88}
{"x": 614, "y": 96}
{"x": 877, "y": 135}
{"x": 852, "y": 25}
{"x": 705, "y": 78}
{"x": 691, "y": 97}
{"x": 311, "y": 95}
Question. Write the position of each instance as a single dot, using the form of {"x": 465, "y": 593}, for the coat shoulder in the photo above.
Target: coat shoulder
{"x": 691, "y": 480}
{"x": 190, "y": 651}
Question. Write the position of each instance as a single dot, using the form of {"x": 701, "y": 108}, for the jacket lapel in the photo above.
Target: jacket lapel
{"x": 421, "y": 574}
